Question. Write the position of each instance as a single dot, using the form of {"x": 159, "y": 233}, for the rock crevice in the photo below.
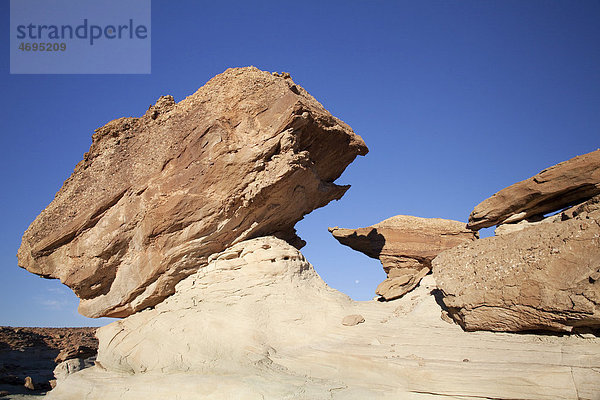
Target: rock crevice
{"x": 563, "y": 185}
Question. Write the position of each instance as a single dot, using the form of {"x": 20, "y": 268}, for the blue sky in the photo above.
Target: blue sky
{"x": 455, "y": 99}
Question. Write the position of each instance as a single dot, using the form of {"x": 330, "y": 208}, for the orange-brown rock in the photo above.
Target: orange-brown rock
{"x": 553, "y": 189}
{"x": 405, "y": 246}
{"x": 248, "y": 155}
{"x": 543, "y": 277}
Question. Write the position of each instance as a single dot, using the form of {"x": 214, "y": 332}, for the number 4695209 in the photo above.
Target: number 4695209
{"x": 42, "y": 46}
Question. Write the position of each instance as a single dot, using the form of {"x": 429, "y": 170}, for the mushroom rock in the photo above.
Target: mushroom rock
{"x": 405, "y": 245}
{"x": 247, "y": 155}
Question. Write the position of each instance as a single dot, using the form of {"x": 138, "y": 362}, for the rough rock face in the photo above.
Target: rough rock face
{"x": 258, "y": 322}
{"x": 405, "y": 246}
{"x": 156, "y": 195}
{"x": 543, "y": 277}
{"x": 553, "y": 189}
{"x": 75, "y": 352}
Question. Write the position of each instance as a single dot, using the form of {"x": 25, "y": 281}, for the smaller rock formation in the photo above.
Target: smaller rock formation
{"x": 553, "y": 189}
{"x": 354, "y": 319}
{"x": 405, "y": 246}
{"x": 74, "y": 352}
{"x": 539, "y": 272}
{"x": 72, "y": 365}
{"x": 544, "y": 276}
{"x": 29, "y": 383}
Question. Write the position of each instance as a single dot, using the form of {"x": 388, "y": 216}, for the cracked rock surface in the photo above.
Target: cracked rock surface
{"x": 156, "y": 195}
{"x": 258, "y": 323}
{"x": 542, "y": 277}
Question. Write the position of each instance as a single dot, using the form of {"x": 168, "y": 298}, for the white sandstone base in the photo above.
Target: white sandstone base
{"x": 259, "y": 323}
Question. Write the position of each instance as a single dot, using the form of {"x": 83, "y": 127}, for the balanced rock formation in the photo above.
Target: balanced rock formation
{"x": 405, "y": 245}
{"x": 545, "y": 276}
{"x": 156, "y": 195}
{"x": 259, "y": 323}
{"x": 553, "y": 189}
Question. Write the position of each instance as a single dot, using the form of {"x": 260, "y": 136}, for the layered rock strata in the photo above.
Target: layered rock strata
{"x": 560, "y": 186}
{"x": 405, "y": 246}
{"x": 539, "y": 272}
{"x": 156, "y": 195}
{"x": 258, "y": 322}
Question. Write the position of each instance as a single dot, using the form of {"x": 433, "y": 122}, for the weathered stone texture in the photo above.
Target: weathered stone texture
{"x": 405, "y": 245}
{"x": 248, "y": 155}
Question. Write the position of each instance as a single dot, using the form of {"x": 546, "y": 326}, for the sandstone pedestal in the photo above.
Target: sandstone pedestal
{"x": 258, "y": 322}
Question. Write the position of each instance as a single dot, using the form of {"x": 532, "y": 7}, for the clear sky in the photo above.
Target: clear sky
{"x": 455, "y": 99}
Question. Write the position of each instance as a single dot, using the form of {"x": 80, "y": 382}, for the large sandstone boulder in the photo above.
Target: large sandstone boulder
{"x": 405, "y": 246}
{"x": 544, "y": 276}
{"x": 553, "y": 189}
{"x": 259, "y": 323}
{"x": 249, "y": 154}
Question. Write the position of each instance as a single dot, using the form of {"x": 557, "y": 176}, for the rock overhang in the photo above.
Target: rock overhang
{"x": 247, "y": 155}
